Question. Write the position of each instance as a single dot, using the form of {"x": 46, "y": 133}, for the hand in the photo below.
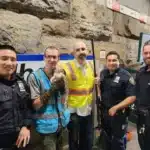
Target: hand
{"x": 112, "y": 111}
{"x": 24, "y": 137}
{"x": 97, "y": 79}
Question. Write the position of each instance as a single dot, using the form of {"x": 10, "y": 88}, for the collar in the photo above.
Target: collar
{"x": 9, "y": 82}
{"x": 147, "y": 68}
{"x": 113, "y": 73}
{"x": 79, "y": 65}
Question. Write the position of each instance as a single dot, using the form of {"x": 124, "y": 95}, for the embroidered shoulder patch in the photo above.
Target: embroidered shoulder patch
{"x": 131, "y": 80}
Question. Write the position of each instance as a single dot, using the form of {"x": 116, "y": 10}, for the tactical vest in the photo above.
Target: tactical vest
{"x": 13, "y": 102}
{"x": 47, "y": 118}
{"x": 80, "y": 85}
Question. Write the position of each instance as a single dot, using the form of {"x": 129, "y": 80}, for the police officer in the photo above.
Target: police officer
{"x": 48, "y": 93}
{"x": 15, "y": 116}
{"x": 117, "y": 93}
{"x": 143, "y": 101}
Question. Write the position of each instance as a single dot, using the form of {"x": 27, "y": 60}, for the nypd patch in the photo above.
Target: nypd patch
{"x": 132, "y": 81}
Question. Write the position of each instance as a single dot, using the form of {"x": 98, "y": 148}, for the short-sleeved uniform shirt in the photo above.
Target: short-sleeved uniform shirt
{"x": 116, "y": 86}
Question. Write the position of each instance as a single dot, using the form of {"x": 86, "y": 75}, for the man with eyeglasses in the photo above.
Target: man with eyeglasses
{"x": 48, "y": 92}
{"x": 80, "y": 78}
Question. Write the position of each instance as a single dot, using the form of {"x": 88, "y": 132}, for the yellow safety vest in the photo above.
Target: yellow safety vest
{"x": 80, "y": 85}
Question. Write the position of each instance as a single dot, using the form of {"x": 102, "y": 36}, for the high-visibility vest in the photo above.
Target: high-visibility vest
{"x": 80, "y": 85}
{"x": 46, "y": 119}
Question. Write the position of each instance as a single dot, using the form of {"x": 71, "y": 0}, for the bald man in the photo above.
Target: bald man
{"x": 80, "y": 78}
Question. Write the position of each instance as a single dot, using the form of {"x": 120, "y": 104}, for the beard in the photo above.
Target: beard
{"x": 82, "y": 56}
{"x": 147, "y": 61}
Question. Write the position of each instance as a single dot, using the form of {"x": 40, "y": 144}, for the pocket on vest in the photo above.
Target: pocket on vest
{"x": 6, "y": 100}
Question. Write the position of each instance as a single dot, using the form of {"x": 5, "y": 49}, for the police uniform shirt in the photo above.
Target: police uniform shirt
{"x": 143, "y": 87}
{"x": 116, "y": 86}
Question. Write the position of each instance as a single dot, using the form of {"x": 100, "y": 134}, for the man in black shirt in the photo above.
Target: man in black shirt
{"x": 117, "y": 93}
{"x": 15, "y": 118}
{"x": 143, "y": 100}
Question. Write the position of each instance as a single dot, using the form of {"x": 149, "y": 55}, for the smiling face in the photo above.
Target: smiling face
{"x": 51, "y": 58}
{"x": 112, "y": 62}
{"x": 146, "y": 54}
{"x": 80, "y": 52}
{"x": 8, "y": 63}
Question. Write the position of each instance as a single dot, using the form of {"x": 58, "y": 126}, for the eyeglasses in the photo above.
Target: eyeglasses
{"x": 82, "y": 48}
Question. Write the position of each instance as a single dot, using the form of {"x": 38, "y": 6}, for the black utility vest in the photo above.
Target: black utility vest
{"x": 12, "y": 101}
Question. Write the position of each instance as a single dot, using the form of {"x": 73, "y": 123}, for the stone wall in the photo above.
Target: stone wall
{"x": 31, "y": 25}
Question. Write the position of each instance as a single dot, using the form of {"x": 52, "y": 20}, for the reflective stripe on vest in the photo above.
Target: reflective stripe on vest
{"x": 73, "y": 76}
{"x": 80, "y": 92}
{"x": 47, "y": 116}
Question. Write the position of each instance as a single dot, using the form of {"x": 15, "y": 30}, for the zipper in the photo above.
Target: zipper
{"x": 15, "y": 112}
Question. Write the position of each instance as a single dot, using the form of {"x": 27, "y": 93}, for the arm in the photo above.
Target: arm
{"x": 125, "y": 103}
{"x": 26, "y": 110}
{"x": 38, "y": 100}
{"x": 130, "y": 94}
{"x": 35, "y": 92}
{"x": 57, "y": 84}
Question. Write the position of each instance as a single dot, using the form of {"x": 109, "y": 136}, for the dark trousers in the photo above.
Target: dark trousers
{"x": 52, "y": 141}
{"x": 7, "y": 142}
{"x": 144, "y": 139}
{"x": 143, "y": 129}
{"x": 80, "y": 132}
{"x": 114, "y": 131}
